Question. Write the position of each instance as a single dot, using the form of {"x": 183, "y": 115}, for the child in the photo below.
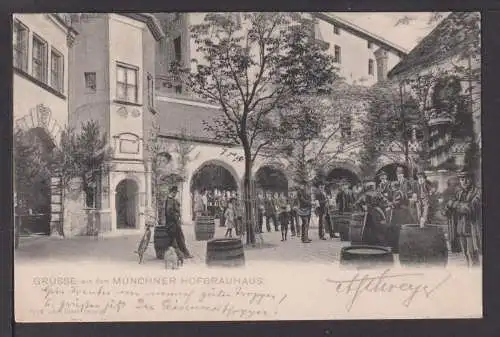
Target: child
{"x": 229, "y": 215}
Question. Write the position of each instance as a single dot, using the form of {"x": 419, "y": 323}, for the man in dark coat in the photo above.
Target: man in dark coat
{"x": 345, "y": 198}
{"x": 465, "y": 211}
{"x": 173, "y": 222}
{"x": 323, "y": 214}
{"x": 270, "y": 208}
{"x": 304, "y": 212}
{"x": 384, "y": 186}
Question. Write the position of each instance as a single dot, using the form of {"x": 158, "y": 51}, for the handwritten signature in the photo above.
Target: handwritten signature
{"x": 386, "y": 283}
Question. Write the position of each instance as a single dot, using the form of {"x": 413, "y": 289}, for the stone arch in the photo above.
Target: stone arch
{"x": 215, "y": 162}
{"x": 390, "y": 170}
{"x": 127, "y": 203}
{"x": 35, "y": 194}
{"x": 271, "y": 178}
{"x": 344, "y": 164}
{"x": 40, "y": 117}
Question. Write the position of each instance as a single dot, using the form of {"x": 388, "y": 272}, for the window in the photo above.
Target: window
{"x": 126, "y": 83}
{"x": 151, "y": 91}
{"x": 20, "y": 46}
{"x": 56, "y": 70}
{"x": 370, "y": 45}
{"x": 90, "y": 81}
{"x": 336, "y": 30}
{"x": 178, "y": 49}
{"x": 237, "y": 18}
{"x": 337, "y": 54}
{"x": 345, "y": 126}
{"x": 39, "y": 66}
{"x": 370, "y": 67}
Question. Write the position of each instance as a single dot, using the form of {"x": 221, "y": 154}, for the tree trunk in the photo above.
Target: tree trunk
{"x": 247, "y": 197}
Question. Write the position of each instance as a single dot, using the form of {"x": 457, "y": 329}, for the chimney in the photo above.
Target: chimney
{"x": 382, "y": 67}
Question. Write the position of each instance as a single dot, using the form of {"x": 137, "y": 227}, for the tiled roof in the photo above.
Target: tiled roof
{"x": 444, "y": 41}
{"x": 185, "y": 118}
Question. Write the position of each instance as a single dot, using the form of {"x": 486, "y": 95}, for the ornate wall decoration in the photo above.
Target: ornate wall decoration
{"x": 129, "y": 143}
{"x": 122, "y": 112}
{"x": 135, "y": 113}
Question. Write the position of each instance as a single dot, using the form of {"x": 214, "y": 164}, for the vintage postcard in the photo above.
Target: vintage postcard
{"x": 230, "y": 166}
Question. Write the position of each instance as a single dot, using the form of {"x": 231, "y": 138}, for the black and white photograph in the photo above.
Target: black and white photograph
{"x": 247, "y": 166}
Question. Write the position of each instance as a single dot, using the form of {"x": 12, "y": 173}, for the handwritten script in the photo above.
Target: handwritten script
{"x": 385, "y": 282}
{"x": 234, "y": 299}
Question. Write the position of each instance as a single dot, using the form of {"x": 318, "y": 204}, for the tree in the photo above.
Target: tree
{"x": 163, "y": 172}
{"x": 251, "y": 72}
{"x": 319, "y": 131}
{"x": 83, "y": 154}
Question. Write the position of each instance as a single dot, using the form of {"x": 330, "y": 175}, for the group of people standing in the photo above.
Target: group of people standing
{"x": 386, "y": 205}
{"x": 225, "y": 205}
{"x": 295, "y": 211}
{"x": 405, "y": 201}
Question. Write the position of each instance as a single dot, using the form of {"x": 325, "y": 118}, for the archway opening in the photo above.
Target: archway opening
{"x": 269, "y": 179}
{"x": 33, "y": 159}
{"x": 214, "y": 180}
{"x": 390, "y": 170}
{"x": 126, "y": 204}
{"x": 337, "y": 175}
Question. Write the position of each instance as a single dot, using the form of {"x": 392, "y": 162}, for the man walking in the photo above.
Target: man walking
{"x": 172, "y": 221}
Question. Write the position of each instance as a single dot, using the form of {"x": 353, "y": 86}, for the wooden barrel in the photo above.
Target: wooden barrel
{"x": 342, "y": 222}
{"x": 161, "y": 241}
{"x": 225, "y": 253}
{"x": 366, "y": 256}
{"x": 204, "y": 228}
{"x": 356, "y": 228}
{"x": 393, "y": 232}
{"x": 422, "y": 246}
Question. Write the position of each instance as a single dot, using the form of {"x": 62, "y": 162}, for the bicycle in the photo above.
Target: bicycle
{"x": 146, "y": 238}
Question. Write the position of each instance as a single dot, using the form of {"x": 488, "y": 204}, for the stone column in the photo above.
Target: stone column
{"x": 382, "y": 64}
{"x": 186, "y": 217}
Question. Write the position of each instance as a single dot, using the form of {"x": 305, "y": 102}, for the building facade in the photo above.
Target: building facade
{"x": 112, "y": 75}
{"x": 362, "y": 58}
{"x": 448, "y": 62}
{"x": 41, "y": 48}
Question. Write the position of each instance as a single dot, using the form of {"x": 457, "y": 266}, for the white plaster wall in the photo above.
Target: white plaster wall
{"x": 27, "y": 94}
{"x": 125, "y": 46}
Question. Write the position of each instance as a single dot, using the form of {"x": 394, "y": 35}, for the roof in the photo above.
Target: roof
{"x": 184, "y": 119}
{"x": 150, "y": 20}
{"x": 361, "y": 32}
{"x": 445, "y": 40}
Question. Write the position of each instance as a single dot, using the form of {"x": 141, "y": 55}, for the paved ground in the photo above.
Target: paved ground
{"x": 120, "y": 249}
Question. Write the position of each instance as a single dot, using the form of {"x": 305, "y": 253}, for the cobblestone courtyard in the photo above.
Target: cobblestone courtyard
{"x": 119, "y": 249}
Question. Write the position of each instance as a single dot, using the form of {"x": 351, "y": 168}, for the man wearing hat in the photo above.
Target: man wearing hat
{"x": 384, "y": 187}
{"x": 323, "y": 214}
{"x": 465, "y": 211}
{"x": 404, "y": 183}
{"x": 345, "y": 198}
{"x": 173, "y": 221}
{"x": 422, "y": 197}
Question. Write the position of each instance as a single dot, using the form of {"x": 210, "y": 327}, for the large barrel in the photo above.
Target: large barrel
{"x": 342, "y": 222}
{"x": 422, "y": 246}
{"x": 161, "y": 240}
{"x": 393, "y": 233}
{"x": 204, "y": 228}
{"x": 366, "y": 256}
{"x": 356, "y": 228}
{"x": 225, "y": 253}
